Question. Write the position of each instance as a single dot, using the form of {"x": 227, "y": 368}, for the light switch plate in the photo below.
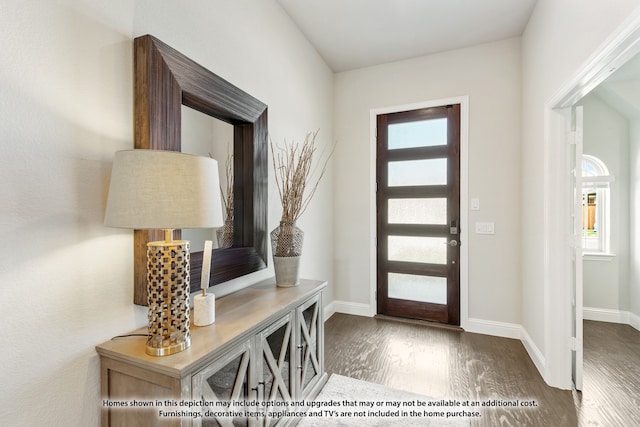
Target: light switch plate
{"x": 475, "y": 204}
{"x": 485, "y": 228}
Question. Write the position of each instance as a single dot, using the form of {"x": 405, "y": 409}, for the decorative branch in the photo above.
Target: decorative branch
{"x": 292, "y": 164}
{"x": 227, "y": 194}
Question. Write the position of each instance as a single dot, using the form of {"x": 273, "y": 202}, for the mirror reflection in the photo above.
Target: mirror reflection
{"x": 207, "y": 136}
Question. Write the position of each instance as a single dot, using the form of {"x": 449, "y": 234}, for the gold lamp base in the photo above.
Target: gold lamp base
{"x": 168, "y": 274}
{"x": 168, "y": 350}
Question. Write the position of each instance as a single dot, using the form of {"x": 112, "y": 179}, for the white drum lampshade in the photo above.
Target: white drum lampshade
{"x": 165, "y": 190}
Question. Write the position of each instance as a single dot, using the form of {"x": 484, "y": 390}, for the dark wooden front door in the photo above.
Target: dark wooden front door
{"x": 418, "y": 214}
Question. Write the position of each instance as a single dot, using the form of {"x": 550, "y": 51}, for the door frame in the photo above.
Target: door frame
{"x": 621, "y": 46}
{"x": 464, "y": 197}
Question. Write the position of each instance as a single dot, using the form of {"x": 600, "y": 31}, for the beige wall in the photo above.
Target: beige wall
{"x": 558, "y": 40}
{"x": 490, "y": 75}
{"x": 634, "y": 220}
{"x": 606, "y": 136}
{"x": 66, "y": 107}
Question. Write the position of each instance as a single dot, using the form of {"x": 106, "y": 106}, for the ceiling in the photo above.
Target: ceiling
{"x": 352, "y": 34}
{"x": 621, "y": 90}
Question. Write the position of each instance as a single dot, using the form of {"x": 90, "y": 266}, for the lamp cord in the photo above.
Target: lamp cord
{"x": 129, "y": 335}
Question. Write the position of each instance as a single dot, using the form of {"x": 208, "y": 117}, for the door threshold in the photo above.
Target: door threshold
{"x": 418, "y": 322}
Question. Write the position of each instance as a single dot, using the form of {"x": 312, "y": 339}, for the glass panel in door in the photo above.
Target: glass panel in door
{"x": 277, "y": 370}
{"x": 418, "y": 211}
{"x": 310, "y": 359}
{"x": 431, "y": 250}
{"x": 224, "y": 381}
{"x": 422, "y": 133}
{"x": 413, "y": 287}
{"x": 417, "y": 172}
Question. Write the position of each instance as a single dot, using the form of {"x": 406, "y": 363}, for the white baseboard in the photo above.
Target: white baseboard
{"x": 612, "y": 316}
{"x": 634, "y": 321}
{"x": 478, "y": 326}
{"x": 329, "y": 310}
{"x": 534, "y": 352}
{"x": 489, "y": 327}
{"x": 605, "y": 315}
{"x": 501, "y": 329}
{"x": 509, "y": 330}
{"x": 345, "y": 307}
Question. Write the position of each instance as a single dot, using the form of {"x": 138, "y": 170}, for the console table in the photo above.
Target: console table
{"x": 266, "y": 345}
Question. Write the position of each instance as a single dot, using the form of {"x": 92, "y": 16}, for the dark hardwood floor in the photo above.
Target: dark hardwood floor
{"x": 611, "y": 395}
{"x": 445, "y": 363}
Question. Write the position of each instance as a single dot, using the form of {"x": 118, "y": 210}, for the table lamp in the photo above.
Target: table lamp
{"x": 165, "y": 190}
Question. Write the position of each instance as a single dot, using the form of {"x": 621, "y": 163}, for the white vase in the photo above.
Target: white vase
{"x": 286, "y": 269}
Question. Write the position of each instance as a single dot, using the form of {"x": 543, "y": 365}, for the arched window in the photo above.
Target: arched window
{"x": 595, "y": 205}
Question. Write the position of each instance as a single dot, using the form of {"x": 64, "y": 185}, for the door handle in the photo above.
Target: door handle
{"x": 452, "y": 243}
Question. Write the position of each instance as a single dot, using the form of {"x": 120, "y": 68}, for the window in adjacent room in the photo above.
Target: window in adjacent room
{"x": 595, "y": 205}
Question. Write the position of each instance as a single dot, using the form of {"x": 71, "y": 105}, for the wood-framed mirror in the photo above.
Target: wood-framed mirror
{"x": 164, "y": 81}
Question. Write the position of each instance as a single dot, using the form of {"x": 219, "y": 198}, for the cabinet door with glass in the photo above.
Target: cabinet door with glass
{"x": 309, "y": 356}
{"x": 275, "y": 368}
{"x": 228, "y": 379}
